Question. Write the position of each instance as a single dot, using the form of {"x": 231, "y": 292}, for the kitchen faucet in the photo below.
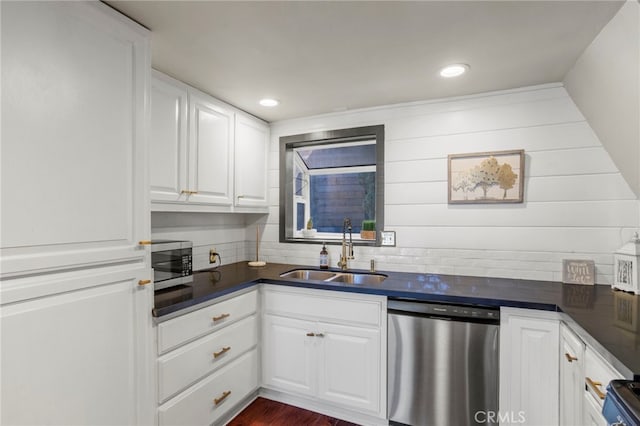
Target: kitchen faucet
{"x": 344, "y": 257}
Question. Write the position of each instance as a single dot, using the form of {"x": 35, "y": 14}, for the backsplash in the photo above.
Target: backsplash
{"x": 225, "y": 232}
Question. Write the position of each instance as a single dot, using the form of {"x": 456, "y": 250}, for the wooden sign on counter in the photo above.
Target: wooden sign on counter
{"x": 578, "y": 271}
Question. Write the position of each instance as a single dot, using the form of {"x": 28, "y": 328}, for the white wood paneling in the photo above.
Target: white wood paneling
{"x": 592, "y": 214}
{"x": 538, "y": 138}
{"x": 577, "y": 240}
{"x": 577, "y": 204}
{"x": 481, "y": 119}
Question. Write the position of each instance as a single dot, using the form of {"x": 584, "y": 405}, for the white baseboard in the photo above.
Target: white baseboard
{"x": 319, "y": 407}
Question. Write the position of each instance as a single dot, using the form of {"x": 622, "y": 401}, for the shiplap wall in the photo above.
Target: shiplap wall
{"x": 577, "y": 205}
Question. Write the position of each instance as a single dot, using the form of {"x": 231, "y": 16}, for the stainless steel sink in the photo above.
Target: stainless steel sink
{"x": 336, "y": 277}
{"x": 308, "y": 274}
{"x": 358, "y": 278}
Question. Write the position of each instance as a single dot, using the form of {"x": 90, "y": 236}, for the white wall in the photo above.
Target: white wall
{"x": 577, "y": 204}
{"x": 605, "y": 84}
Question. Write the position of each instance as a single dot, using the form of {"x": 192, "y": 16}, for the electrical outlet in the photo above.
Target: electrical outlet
{"x": 212, "y": 255}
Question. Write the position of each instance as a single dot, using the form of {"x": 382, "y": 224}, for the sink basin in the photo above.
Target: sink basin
{"x": 350, "y": 278}
{"x": 308, "y": 274}
{"x": 336, "y": 277}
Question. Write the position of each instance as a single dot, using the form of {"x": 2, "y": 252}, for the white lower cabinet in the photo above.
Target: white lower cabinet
{"x": 351, "y": 358}
{"x": 288, "y": 359}
{"x": 208, "y": 361}
{"x": 80, "y": 357}
{"x": 328, "y": 346}
{"x": 597, "y": 375}
{"x": 529, "y": 386}
{"x": 571, "y": 377}
{"x": 208, "y": 400}
{"x": 592, "y": 412}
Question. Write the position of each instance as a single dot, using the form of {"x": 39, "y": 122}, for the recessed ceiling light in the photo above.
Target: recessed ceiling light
{"x": 453, "y": 70}
{"x": 269, "y": 102}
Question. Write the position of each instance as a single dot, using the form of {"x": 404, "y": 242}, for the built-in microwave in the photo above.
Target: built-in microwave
{"x": 172, "y": 263}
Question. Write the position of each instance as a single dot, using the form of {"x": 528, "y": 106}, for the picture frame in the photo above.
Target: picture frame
{"x": 486, "y": 177}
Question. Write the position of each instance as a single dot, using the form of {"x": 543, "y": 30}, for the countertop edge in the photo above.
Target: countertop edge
{"x": 178, "y": 309}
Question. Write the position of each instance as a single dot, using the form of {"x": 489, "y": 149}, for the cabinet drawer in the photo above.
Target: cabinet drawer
{"x": 185, "y": 365}
{"x": 598, "y": 374}
{"x": 208, "y": 400}
{"x": 592, "y": 415}
{"x": 333, "y": 306}
{"x": 187, "y": 327}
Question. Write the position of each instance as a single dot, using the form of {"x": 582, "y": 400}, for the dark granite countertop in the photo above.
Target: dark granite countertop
{"x": 611, "y": 318}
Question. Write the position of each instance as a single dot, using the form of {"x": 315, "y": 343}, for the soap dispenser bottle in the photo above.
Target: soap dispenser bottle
{"x": 324, "y": 257}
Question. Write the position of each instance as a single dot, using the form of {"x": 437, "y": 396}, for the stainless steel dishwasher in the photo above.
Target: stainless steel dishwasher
{"x": 442, "y": 364}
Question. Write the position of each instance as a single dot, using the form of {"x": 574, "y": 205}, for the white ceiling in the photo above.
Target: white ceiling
{"x": 318, "y": 57}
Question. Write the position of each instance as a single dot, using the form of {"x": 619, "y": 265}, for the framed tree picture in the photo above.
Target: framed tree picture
{"x": 486, "y": 177}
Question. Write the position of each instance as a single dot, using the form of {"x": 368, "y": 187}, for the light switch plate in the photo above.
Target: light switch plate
{"x": 388, "y": 238}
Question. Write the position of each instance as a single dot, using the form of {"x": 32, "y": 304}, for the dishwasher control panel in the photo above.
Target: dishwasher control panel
{"x": 444, "y": 310}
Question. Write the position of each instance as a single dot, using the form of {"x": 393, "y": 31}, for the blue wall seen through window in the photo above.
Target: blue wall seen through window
{"x": 336, "y": 196}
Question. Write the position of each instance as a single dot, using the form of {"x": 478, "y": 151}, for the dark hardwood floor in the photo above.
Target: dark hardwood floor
{"x": 264, "y": 412}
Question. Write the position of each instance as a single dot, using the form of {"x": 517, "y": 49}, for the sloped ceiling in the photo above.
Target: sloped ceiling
{"x": 605, "y": 85}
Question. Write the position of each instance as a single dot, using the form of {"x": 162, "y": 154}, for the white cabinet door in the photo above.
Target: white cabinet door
{"x": 289, "y": 354}
{"x": 168, "y": 139}
{"x": 571, "y": 377}
{"x": 210, "y": 151}
{"x": 349, "y": 366}
{"x": 251, "y": 152}
{"x": 81, "y": 357}
{"x": 529, "y": 346}
{"x": 74, "y": 92}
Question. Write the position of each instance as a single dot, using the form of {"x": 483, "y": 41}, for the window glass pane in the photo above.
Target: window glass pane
{"x": 299, "y": 182}
{"x": 341, "y": 156}
{"x": 336, "y": 196}
{"x": 300, "y": 223}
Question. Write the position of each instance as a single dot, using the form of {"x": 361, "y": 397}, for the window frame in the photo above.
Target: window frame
{"x": 288, "y": 144}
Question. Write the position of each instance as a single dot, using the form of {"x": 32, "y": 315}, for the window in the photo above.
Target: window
{"x": 329, "y": 176}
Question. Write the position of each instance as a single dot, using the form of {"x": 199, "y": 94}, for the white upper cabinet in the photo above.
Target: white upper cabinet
{"x": 251, "y": 151}
{"x": 210, "y": 150}
{"x": 205, "y": 155}
{"x": 74, "y": 89}
{"x": 168, "y": 139}
{"x": 76, "y": 308}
